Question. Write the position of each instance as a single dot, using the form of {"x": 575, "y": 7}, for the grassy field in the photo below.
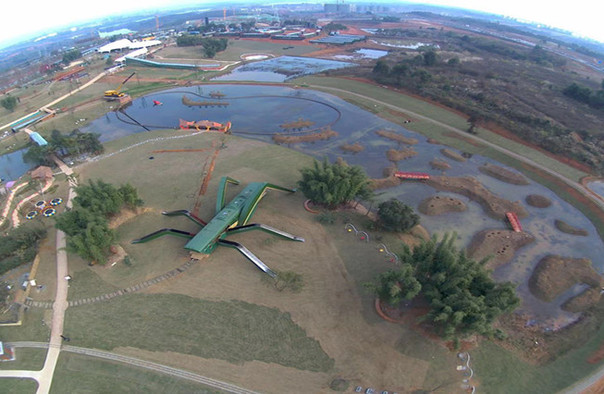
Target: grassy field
{"x": 82, "y": 374}
{"x": 19, "y": 386}
{"x": 436, "y": 113}
{"x": 233, "y": 331}
{"x": 31, "y": 359}
{"x": 35, "y": 327}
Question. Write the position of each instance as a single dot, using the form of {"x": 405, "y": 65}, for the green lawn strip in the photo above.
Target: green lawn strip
{"x": 29, "y": 359}
{"x": 234, "y": 331}
{"x": 236, "y": 48}
{"x": 32, "y": 328}
{"x": 434, "y": 112}
{"x": 85, "y": 283}
{"x": 18, "y": 386}
{"x": 77, "y": 373}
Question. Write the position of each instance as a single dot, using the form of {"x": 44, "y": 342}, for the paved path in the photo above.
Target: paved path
{"x": 181, "y": 373}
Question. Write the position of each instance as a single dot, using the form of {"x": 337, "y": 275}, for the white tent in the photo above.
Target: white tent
{"x": 116, "y": 45}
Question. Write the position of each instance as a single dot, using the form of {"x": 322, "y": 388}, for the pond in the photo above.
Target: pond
{"x": 258, "y": 111}
{"x": 363, "y": 53}
{"x": 281, "y": 68}
{"x": 12, "y": 165}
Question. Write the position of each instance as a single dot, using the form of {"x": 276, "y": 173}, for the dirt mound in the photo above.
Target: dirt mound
{"x": 398, "y": 155}
{"x": 437, "y": 205}
{"x": 538, "y": 201}
{"x": 391, "y": 135}
{"x": 467, "y": 186}
{"x": 500, "y": 244}
{"x": 440, "y": 165}
{"x": 556, "y": 274}
{"x": 503, "y": 174}
{"x": 452, "y": 154}
{"x": 583, "y": 301}
{"x": 389, "y": 181}
{"x": 354, "y": 148}
{"x": 568, "y": 229}
{"x": 293, "y": 139}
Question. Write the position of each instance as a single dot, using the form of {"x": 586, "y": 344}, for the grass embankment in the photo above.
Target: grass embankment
{"x": 77, "y": 373}
{"x": 235, "y": 331}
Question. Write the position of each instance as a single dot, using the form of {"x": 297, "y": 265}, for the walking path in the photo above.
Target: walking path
{"x": 181, "y": 373}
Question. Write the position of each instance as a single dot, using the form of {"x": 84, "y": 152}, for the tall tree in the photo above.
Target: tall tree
{"x": 9, "y": 102}
{"x": 333, "y": 185}
{"x": 396, "y": 216}
{"x": 395, "y": 285}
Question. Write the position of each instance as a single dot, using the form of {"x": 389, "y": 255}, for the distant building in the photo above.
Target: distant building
{"x": 337, "y": 8}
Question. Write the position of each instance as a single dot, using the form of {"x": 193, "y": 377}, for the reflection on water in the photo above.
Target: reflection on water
{"x": 12, "y": 165}
{"x": 281, "y": 68}
{"x": 257, "y": 111}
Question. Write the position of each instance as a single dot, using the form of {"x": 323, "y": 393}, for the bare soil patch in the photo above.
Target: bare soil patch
{"x": 568, "y": 229}
{"x": 389, "y": 179}
{"x": 494, "y": 205}
{"x": 398, "y": 155}
{"x": 354, "y": 148}
{"x": 294, "y": 139}
{"x": 583, "y": 301}
{"x": 500, "y": 244}
{"x": 555, "y": 274}
{"x": 391, "y": 135}
{"x": 503, "y": 174}
{"x": 438, "y": 205}
{"x": 538, "y": 201}
{"x": 452, "y": 155}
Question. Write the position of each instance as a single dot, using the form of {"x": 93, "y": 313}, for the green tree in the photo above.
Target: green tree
{"x": 430, "y": 58}
{"x": 38, "y": 155}
{"x": 395, "y": 285}
{"x": 463, "y": 298}
{"x": 396, "y": 216}
{"x": 381, "y": 68}
{"x": 9, "y": 102}
{"x": 71, "y": 55}
{"x": 333, "y": 185}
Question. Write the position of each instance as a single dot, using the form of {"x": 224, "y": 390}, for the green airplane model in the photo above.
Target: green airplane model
{"x": 230, "y": 219}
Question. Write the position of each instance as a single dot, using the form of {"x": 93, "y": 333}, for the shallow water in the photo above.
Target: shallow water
{"x": 281, "y": 68}
{"x": 257, "y": 111}
{"x": 12, "y": 165}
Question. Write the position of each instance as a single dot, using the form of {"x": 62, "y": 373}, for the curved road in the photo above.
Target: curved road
{"x": 180, "y": 373}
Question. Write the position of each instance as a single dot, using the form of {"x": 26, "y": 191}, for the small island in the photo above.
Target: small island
{"x": 438, "y": 205}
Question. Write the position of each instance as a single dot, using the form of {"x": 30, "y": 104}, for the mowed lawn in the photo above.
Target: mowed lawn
{"x": 77, "y": 373}
{"x": 234, "y": 331}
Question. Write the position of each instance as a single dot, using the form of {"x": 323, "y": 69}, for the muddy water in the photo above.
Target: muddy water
{"x": 257, "y": 111}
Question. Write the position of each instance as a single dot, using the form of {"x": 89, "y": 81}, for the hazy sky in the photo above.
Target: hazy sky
{"x": 26, "y": 17}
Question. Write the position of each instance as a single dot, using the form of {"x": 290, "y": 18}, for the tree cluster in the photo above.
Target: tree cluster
{"x": 211, "y": 46}
{"x": 332, "y": 26}
{"x": 333, "y": 185}
{"x": 585, "y": 95}
{"x": 19, "y": 246}
{"x": 71, "y": 55}
{"x": 62, "y": 145}
{"x": 9, "y": 102}
{"x": 463, "y": 298}
{"x": 87, "y": 223}
{"x": 396, "y": 216}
